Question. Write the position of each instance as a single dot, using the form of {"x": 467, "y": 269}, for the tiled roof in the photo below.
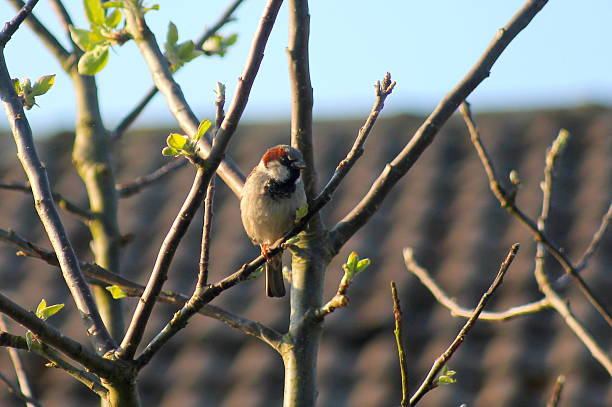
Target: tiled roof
{"x": 442, "y": 208}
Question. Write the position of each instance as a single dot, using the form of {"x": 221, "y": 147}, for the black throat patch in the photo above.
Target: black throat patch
{"x": 283, "y": 190}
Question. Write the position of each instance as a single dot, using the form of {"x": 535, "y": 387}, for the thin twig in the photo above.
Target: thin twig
{"x": 595, "y": 241}
{"x": 40, "y": 348}
{"x": 82, "y": 214}
{"x": 555, "y": 397}
{"x": 225, "y": 18}
{"x": 339, "y": 300}
{"x": 128, "y": 120}
{"x": 424, "y": 136}
{"x": 544, "y": 284}
{"x": 47, "y": 212}
{"x": 47, "y": 38}
{"x": 14, "y": 390}
{"x": 429, "y": 382}
{"x": 20, "y": 372}
{"x": 11, "y": 26}
{"x": 48, "y": 334}
{"x": 159, "y": 274}
{"x": 507, "y": 201}
{"x": 456, "y": 310}
{"x": 132, "y": 188}
{"x": 397, "y": 317}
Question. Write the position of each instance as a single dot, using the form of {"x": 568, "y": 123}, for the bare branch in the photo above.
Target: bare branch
{"x": 225, "y": 18}
{"x": 423, "y": 137}
{"x": 10, "y": 27}
{"x": 82, "y": 214}
{"x": 555, "y": 397}
{"x": 458, "y": 311}
{"x": 43, "y": 202}
{"x": 88, "y": 379}
{"x": 48, "y": 39}
{"x": 20, "y": 372}
{"x": 595, "y": 241}
{"x": 397, "y": 316}
{"x": 506, "y": 200}
{"x": 14, "y": 390}
{"x": 132, "y": 188}
{"x": 159, "y": 274}
{"x": 542, "y": 279}
{"x": 48, "y": 334}
{"x": 429, "y": 382}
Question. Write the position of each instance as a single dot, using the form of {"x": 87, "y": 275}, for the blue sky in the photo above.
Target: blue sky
{"x": 562, "y": 59}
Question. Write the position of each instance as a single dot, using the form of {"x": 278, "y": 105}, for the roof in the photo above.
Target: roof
{"x": 442, "y": 208}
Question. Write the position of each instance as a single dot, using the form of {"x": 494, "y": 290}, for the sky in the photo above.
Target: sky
{"x": 563, "y": 58}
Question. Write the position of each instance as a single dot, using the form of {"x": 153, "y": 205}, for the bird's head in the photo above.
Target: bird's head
{"x": 282, "y": 163}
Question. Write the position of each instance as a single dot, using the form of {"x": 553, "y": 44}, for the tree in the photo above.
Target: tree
{"x": 112, "y": 368}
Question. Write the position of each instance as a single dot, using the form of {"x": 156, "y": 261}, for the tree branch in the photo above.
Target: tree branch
{"x": 542, "y": 279}
{"x": 132, "y": 188}
{"x": 225, "y": 18}
{"x": 10, "y": 27}
{"x": 43, "y": 202}
{"x": 82, "y": 214}
{"x": 507, "y": 201}
{"x": 555, "y": 397}
{"x": 20, "y": 372}
{"x": 423, "y": 137}
{"x": 63, "y": 56}
{"x": 429, "y": 382}
{"x": 41, "y": 349}
{"x": 48, "y": 334}
{"x": 458, "y": 311}
{"x": 14, "y": 390}
{"x": 159, "y": 274}
{"x": 397, "y": 316}
{"x": 595, "y": 241}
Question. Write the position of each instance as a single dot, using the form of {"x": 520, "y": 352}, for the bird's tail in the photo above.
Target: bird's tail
{"x": 275, "y": 286}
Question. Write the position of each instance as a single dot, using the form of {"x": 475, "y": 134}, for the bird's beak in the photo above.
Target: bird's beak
{"x": 298, "y": 164}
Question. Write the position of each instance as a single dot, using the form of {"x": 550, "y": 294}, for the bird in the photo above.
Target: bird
{"x": 271, "y": 196}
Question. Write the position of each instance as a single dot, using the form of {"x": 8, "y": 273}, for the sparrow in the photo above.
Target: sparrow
{"x": 272, "y": 194}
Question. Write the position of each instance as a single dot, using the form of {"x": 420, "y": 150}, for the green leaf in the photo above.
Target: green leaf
{"x": 172, "y": 36}
{"x": 230, "y": 40}
{"x": 176, "y": 141}
{"x": 114, "y": 18}
{"x": 86, "y": 40}
{"x": 169, "y": 152}
{"x": 292, "y": 241}
{"x": 43, "y": 84}
{"x": 213, "y": 44}
{"x": 41, "y": 306}
{"x": 30, "y": 339}
{"x": 17, "y": 86}
{"x": 202, "y": 129}
{"x": 116, "y": 292}
{"x": 301, "y": 212}
{"x": 94, "y": 11}
{"x": 446, "y": 380}
{"x": 185, "y": 51}
{"x": 50, "y": 311}
{"x": 43, "y": 311}
{"x": 352, "y": 261}
{"x": 362, "y": 265}
{"x": 93, "y": 61}
{"x": 110, "y": 4}
{"x": 26, "y": 85}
